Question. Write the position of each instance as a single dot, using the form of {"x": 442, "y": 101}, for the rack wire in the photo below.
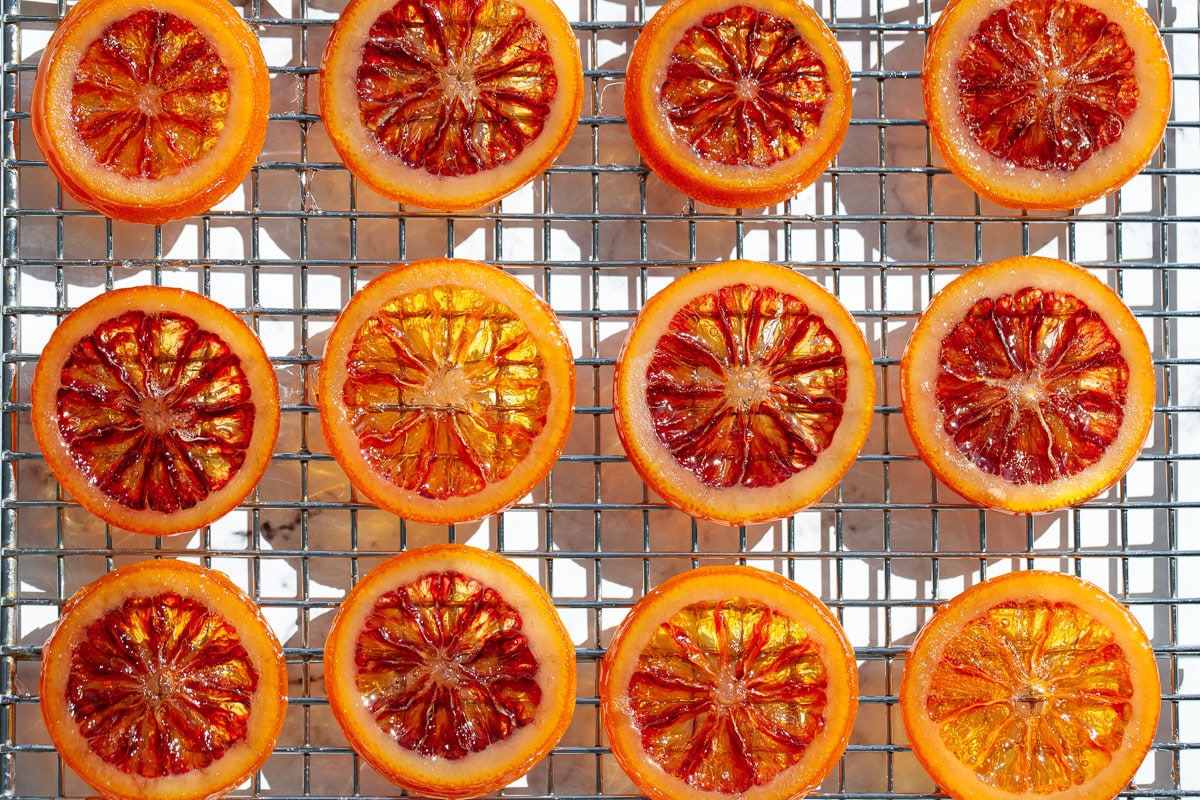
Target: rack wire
{"x": 884, "y": 228}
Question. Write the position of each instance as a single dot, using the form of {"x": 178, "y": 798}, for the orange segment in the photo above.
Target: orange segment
{"x": 728, "y": 682}
{"x": 162, "y": 680}
{"x": 1034, "y": 683}
{"x": 446, "y": 391}
{"x": 449, "y": 671}
{"x": 743, "y": 392}
{"x": 156, "y": 408}
{"x": 1027, "y": 385}
{"x": 450, "y": 104}
{"x": 1040, "y": 104}
{"x": 737, "y": 103}
{"x": 151, "y": 113}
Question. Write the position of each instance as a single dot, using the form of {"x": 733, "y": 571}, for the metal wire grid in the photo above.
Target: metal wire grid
{"x": 596, "y": 235}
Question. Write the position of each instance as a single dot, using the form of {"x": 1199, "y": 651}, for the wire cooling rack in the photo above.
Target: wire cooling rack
{"x": 884, "y": 228}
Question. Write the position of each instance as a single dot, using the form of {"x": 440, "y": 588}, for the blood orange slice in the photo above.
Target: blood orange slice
{"x": 449, "y": 671}
{"x": 1033, "y": 684}
{"x": 737, "y": 103}
{"x": 150, "y": 112}
{"x": 1046, "y": 103}
{"x": 728, "y": 682}
{"x": 157, "y": 409}
{"x": 450, "y": 104}
{"x": 743, "y": 393}
{"x": 1027, "y": 385}
{"x": 162, "y": 680}
{"x": 447, "y": 390}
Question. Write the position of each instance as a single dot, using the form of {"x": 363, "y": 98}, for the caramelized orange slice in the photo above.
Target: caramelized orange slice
{"x": 1033, "y": 684}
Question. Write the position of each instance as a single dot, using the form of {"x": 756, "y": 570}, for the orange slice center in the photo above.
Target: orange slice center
{"x": 446, "y": 391}
{"x": 151, "y": 96}
{"x": 444, "y": 668}
{"x": 1046, "y": 85}
{"x": 1033, "y": 696}
{"x": 1032, "y": 386}
{"x": 746, "y": 387}
{"x": 161, "y": 686}
{"x": 743, "y": 87}
{"x": 727, "y": 695}
{"x": 156, "y": 411}
{"x": 455, "y": 87}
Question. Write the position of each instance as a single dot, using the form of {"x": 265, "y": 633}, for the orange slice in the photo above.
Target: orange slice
{"x": 162, "y": 680}
{"x": 1027, "y": 385}
{"x": 450, "y": 104}
{"x": 157, "y": 409}
{"x": 728, "y": 682}
{"x": 1046, "y": 103}
{"x": 449, "y": 671}
{"x": 737, "y": 103}
{"x": 1033, "y": 684}
{"x": 150, "y": 112}
{"x": 446, "y": 391}
{"x": 743, "y": 392}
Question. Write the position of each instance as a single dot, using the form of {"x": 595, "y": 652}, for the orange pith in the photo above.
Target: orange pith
{"x": 151, "y": 96}
{"x": 744, "y": 87}
{"x": 1063, "y": 92}
{"x": 747, "y": 386}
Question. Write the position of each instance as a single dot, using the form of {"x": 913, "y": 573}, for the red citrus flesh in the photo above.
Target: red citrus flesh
{"x": 1032, "y": 386}
{"x": 151, "y": 96}
{"x": 744, "y": 87}
{"x": 746, "y": 387}
{"x": 728, "y": 695}
{"x": 444, "y": 667}
{"x": 156, "y": 411}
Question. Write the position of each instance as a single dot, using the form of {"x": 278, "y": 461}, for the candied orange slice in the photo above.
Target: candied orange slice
{"x": 151, "y": 112}
{"x": 1032, "y": 684}
{"x": 1028, "y": 385}
{"x": 162, "y": 680}
{"x": 157, "y": 409}
{"x": 743, "y": 392}
{"x": 737, "y": 104}
{"x": 728, "y": 682}
{"x": 447, "y": 390}
{"x": 450, "y": 104}
{"x": 450, "y": 671}
{"x": 1046, "y": 103}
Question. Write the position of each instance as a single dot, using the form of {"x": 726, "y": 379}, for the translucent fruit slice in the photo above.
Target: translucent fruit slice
{"x": 1033, "y": 684}
{"x": 1046, "y": 103}
{"x": 449, "y": 671}
{"x": 150, "y": 113}
{"x": 162, "y": 679}
{"x": 737, "y": 104}
{"x": 447, "y": 390}
{"x": 743, "y": 393}
{"x": 728, "y": 682}
{"x": 156, "y": 408}
{"x": 1028, "y": 385}
{"x": 450, "y": 104}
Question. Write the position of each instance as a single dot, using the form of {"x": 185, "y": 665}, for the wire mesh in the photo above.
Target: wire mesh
{"x": 884, "y": 228}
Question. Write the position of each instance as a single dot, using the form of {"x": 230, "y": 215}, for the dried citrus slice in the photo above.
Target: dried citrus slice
{"x": 446, "y": 391}
{"x": 1046, "y": 103}
{"x": 1033, "y": 684}
{"x": 737, "y": 103}
{"x": 150, "y": 112}
{"x": 157, "y": 409}
{"x": 450, "y": 671}
{"x": 728, "y": 682}
{"x": 1027, "y": 385}
{"x": 162, "y": 680}
{"x": 450, "y": 104}
{"x": 743, "y": 392}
